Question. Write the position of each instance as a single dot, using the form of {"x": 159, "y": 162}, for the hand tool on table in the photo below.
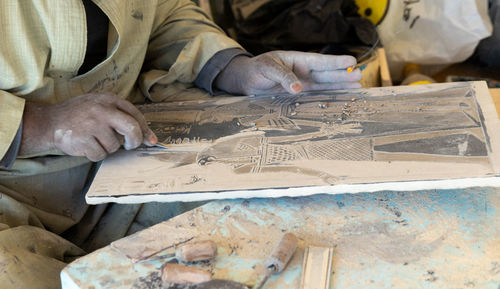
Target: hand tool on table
{"x": 172, "y": 273}
{"x": 182, "y": 276}
{"x": 279, "y": 257}
{"x": 220, "y": 284}
{"x": 194, "y": 278}
{"x": 191, "y": 252}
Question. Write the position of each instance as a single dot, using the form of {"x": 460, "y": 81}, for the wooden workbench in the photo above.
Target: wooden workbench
{"x": 423, "y": 239}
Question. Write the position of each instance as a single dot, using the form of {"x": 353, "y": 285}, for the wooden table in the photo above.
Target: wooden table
{"x": 423, "y": 239}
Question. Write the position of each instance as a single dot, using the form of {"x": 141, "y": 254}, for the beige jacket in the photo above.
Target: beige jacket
{"x": 43, "y": 45}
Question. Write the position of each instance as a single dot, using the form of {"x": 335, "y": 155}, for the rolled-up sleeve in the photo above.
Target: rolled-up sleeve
{"x": 11, "y": 114}
{"x": 183, "y": 40}
{"x": 214, "y": 66}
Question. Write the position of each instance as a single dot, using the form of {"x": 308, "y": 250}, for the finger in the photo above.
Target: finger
{"x": 276, "y": 89}
{"x": 335, "y": 76}
{"x": 313, "y": 86}
{"x": 108, "y": 139}
{"x": 127, "y": 126}
{"x": 278, "y": 72}
{"x": 150, "y": 138}
{"x": 318, "y": 62}
{"x": 93, "y": 150}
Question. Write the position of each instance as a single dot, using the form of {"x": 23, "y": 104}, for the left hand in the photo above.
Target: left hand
{"x": 287, "y": 71}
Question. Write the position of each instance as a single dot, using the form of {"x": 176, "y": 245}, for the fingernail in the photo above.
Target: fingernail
{"x": 153, "y": 139}
{"x": 296, "y": 87}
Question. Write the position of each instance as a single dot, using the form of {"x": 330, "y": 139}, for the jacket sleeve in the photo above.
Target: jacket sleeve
{"x": 11, "y": 114}
{"x": 183, "y": 40}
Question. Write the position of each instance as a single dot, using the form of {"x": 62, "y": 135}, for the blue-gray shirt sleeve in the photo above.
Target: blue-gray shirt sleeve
{"x": 215, "y": 65}
{"x": 8, "y": 159}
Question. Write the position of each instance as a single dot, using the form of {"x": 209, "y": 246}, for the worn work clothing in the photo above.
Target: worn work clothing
{"x": 156, "y": 49}
{"x": 97, "y": 36}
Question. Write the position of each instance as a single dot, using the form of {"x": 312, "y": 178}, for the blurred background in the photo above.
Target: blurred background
{"x": 401, "y": 42}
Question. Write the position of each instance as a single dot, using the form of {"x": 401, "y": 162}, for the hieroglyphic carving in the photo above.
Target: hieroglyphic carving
{"x": 321, "y": 138}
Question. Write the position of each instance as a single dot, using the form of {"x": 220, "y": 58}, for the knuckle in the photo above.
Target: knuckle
{"x": 132, "y": 143}
{"x": 291, "y": 76}
{"x": 136, "y": 140}
{"x": 111, "y": 144}
{"x": 267, "y": 59}
{"x": 133, "y": 129}
{"x": 347, "y": 60}
{"x": 96, "y": 156}
{"x": 114, "y": 146}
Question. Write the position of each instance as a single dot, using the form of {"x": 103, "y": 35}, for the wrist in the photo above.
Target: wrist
{"x": 36, "y": 135}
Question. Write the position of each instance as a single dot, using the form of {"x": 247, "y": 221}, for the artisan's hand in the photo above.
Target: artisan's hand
{"x": 287, "y": 71}
{"x": 88, "y": 125}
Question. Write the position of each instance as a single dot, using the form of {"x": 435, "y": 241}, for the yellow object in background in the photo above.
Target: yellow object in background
{"x": 421, "y": 82}
{"x": 373, "y": 10}
{"x": 414, "y": 76}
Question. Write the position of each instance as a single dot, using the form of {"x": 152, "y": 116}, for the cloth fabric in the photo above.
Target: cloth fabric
{"x": 34, "y": 208}
{"x": 300, "y": 25}
{"x": 488, "y": 50}
{"x": 155, "y": 50}
{"x": 97, "y": 36}
{"x": 214, "y": 66}
{"x": 11, "y": 154}
{"x": 173, "y": 38}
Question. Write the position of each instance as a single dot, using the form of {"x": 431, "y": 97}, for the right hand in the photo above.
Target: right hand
{"x": 89, "y": 125}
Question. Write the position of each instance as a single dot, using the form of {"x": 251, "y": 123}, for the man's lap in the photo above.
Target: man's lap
{"x": 45, "y": 222}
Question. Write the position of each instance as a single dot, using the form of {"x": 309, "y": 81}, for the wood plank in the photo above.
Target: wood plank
{"x": 317, "y": 268}
{"x": 385, "y": 75}
{"x": 495, "y": 95}
{"x": 407, "y": 138}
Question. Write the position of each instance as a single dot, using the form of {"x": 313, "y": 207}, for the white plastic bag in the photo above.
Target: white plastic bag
{"x": 431, "y": 32}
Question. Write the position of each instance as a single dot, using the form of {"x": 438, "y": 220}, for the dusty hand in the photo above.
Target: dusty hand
{"x": 287, "y": 71}
{"x": 88, "y": 125}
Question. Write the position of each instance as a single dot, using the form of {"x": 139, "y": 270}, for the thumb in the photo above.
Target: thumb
{"x": 274, "y": 70}
{"x": 150, "y": 139}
